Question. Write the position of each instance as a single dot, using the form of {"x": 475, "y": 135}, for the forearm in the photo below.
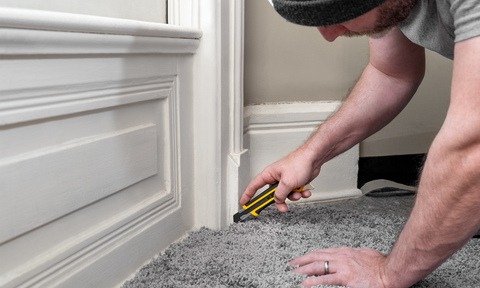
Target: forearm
{"x": 376, "y": 99}
{"x": 445, "y": 215}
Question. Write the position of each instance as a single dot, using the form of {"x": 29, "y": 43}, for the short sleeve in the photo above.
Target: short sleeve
{"x": 466, "y": 15}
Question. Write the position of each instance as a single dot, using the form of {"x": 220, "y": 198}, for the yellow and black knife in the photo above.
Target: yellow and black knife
{"x": 260, "y": 202}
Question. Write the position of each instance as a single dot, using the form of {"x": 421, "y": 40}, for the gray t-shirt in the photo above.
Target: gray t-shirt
{"x": 438, "y": 24}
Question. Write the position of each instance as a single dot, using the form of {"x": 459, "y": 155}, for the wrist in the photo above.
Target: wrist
{"x": 318, "y": 149}
{"x": 383, "y": 271}
{"x": 311, "y": 154}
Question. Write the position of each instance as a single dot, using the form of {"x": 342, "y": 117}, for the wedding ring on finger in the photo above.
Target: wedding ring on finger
{"x": 327, "y": 268}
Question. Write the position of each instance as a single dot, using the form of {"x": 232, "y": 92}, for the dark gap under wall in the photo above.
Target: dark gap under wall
{"x": 404, "y": 169}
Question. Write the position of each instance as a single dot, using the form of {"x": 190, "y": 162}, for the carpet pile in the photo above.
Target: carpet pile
{"x": 256, "y": 253}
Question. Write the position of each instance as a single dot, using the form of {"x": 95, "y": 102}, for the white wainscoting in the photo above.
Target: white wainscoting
{"x": 273, "y": 131}
{"x": 96, "y": 133}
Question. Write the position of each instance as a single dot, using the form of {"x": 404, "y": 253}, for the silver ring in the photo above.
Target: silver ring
{"x": 326, "y": 268}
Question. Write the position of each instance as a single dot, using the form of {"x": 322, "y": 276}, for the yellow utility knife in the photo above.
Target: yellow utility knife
{"x": 262, "y": 201}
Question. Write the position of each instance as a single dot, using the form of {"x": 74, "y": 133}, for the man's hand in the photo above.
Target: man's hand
{"x": 291, "y": 172}
{"x": 360, "y": 267}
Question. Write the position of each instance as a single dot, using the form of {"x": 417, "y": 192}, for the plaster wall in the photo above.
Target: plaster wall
{"x": 145, "y": 10}
{"x": 287, "y": 62}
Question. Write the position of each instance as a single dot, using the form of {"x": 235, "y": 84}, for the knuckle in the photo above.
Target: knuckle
{"x": 317, "y": 265}
{"x": 288, "y": 182}
{"x": 324, "y": 280}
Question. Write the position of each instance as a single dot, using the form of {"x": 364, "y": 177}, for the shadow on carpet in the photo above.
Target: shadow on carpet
{"x": 256, "y": 253}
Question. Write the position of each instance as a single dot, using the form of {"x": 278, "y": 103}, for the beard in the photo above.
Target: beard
{"x": 390, "y": 14}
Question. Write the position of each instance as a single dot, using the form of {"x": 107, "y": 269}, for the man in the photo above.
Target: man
{"x": 446, "y": 213}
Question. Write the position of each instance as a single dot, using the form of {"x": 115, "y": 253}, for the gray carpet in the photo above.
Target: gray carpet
{"x": 256, "y": 253}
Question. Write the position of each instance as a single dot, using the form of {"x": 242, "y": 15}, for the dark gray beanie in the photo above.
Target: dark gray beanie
{"x": 323, "y": 12}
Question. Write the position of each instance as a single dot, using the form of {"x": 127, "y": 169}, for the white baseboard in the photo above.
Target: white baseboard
{"x": 272, "y": 131}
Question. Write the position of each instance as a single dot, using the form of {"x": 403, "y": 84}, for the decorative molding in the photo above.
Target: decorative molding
{"x": 212, "y": 113}
{"x": 237, "y": 11}
{"x": 76, "y": 255}
{"x": 238, "y": 165}
{"x": 218, "y": 69}
{"x": 184, "y": 13}
{"x": 42, "y": 102}
{"x": 273, "y": 131}
{"x": 40, "y": 42}
{"x": 68, "y": 22}
{"x": 288, "y": 115}
{"x": 73, "y": 255}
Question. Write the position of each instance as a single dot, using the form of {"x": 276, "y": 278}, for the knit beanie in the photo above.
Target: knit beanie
{"x": 323, "y": 12}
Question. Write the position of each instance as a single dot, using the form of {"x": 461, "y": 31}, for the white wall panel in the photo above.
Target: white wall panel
{"x": 94, "y": 143}
{"x": 66, "y": 177}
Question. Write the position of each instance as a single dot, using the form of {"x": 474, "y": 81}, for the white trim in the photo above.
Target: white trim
{"x": 218, "y": 70}
{"x": 184, "y": 13}
{"x": 78, "y": 249}
{"x": 218, "y": 102}
{"x": 236, "y": 75}
{"x": 310, "y": 113}
{"x": 39, "y": 42}
{"x": 59, "y": 21}
{"x": 57, "y": 101}
{"x": 209, "y": 117}
{"x": 238, "y": 165}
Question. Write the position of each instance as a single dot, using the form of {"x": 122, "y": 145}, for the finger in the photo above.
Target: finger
{"x": 314, "y": 268}
{"x": 282, "y": 207}
{"x": 282, "y": 191}
{"x": 295, "y": 196}
{"x": 258, "y": 182}
{"x": 306, "y": 193}
{"x": 299, "y": 195}
{"x": 330, "y": 279}
{"x": 311, "y": 257}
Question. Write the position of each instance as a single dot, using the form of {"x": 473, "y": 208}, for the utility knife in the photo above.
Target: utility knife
{"x": 262, "y": 201}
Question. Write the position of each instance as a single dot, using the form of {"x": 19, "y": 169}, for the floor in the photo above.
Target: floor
{"x": 397, "y": 205}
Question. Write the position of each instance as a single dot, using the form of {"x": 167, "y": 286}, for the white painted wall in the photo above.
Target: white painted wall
{"x": 143, "y": 10}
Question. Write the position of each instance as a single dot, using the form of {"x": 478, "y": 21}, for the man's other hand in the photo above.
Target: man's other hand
{"x": 351, "y": 267}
